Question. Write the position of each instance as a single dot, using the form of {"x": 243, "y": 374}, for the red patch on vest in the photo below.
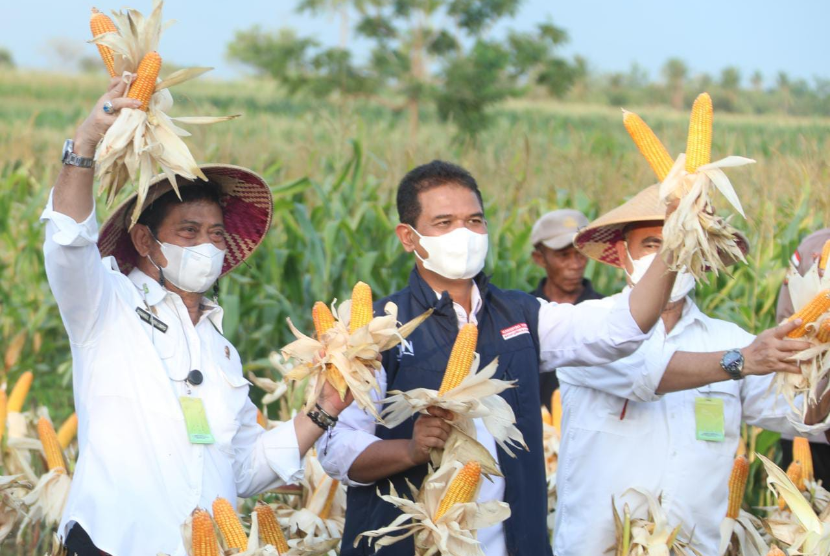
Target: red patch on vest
{"x": 515, "y": 330}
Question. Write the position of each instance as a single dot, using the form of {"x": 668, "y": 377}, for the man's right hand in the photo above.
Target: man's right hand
{"x": 431, "y": 431}
{"x": 772, "y": 351}
{"x": 94, "y": 127}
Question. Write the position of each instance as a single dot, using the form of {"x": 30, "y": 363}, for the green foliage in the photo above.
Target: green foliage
{"x": 416, "y": 59}
{"x": 6, "y": 58}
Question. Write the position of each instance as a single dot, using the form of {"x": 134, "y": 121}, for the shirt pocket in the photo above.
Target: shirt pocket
{"x": 232, "y": 392}
{"x": 618, "y": 416}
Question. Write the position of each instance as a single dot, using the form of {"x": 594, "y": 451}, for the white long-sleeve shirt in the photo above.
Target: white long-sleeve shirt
{"x": 568, "y": 334}
{"x": 617, "y": 433}
{"x": 138, "y": 476}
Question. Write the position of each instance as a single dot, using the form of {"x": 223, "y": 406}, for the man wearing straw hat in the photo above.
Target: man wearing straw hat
{"x": 670, "y": 429}
{"x": 165, "y": 422}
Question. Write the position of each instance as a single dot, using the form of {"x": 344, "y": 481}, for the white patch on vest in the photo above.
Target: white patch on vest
{"x": 405, "y": 348}
{"x": 515, "y": 330}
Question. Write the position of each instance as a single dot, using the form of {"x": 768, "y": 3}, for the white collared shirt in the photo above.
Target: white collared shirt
{"x": 568, "y": 334}
{"x": 618, "y": 433}
{"x": 138, "y": 476}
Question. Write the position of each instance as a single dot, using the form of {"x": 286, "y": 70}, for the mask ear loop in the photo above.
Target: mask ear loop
{"x": 420, "y": 258}
{"x": 161, "y": 272}
{"x": 630, "y": 259}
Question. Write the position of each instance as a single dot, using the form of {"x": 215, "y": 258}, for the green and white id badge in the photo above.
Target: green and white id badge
{"x": 709, "y": 419}
{"x": 195, "y": 419}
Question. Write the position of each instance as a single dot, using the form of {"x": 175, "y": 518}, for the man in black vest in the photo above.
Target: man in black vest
{"x": 443, "y": 224}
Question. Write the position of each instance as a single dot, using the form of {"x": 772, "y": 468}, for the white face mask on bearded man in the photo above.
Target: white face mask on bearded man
{"x": 192, "y": 269}
{"x": 684, "y": 283}
{"x": 457, "y": 255}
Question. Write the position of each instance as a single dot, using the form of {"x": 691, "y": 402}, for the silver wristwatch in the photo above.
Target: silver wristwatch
{"x": 73, "y": 159}
{"x": 732, "y": 363}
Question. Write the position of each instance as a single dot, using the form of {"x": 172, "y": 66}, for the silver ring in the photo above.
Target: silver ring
{"x": 108, "y": 107}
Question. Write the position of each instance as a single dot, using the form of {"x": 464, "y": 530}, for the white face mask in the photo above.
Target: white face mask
{"x": 192, "y": 269}
{"x": 457, "y": 255}
{"x": 684, "y": 283}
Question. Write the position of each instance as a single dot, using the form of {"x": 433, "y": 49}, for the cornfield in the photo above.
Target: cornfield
{"x": 333, "y": 169}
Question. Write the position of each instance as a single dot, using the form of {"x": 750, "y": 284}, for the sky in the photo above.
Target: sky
{"x": 765, "y": 35}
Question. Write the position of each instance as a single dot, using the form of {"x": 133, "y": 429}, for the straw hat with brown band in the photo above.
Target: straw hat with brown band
{"x": 247, "y": 207}
{"x": 599, "y": 239}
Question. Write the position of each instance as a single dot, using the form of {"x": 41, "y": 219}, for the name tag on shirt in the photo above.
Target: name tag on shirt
{"x": 151, "y": 320}
{"x": 709, "y": 419}
{"x": 195, "y": 419}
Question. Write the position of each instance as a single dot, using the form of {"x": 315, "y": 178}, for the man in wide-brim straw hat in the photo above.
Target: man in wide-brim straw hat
{"x": 165, "y": 422}
{"x": 671, "y": 428}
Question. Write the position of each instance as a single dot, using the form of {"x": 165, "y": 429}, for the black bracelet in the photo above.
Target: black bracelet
{"x": 321, "y": 418}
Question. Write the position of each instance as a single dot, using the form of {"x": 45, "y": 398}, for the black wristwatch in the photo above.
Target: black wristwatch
{"x": 732, "y": 363}
{"x": 73, "y": 159}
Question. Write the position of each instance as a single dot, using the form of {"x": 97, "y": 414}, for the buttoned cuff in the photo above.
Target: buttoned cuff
{"x": 282, "y": 452}
{"x": 338, "y": 458}
{"x": 69, "y": 232}
{"x": 654, "y": 367}
{"x": 621, "y": 324}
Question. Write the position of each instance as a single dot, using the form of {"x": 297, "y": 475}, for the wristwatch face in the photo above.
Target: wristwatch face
{"x": 68, "y": 145}
{"x": 731, "y": 358}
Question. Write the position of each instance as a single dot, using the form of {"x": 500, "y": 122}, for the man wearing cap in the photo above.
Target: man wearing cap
{"x": 673, "y": 428}
{"x": 165, "y": 422}
{"x": 552, "y": 238}
{"x": 805, "y": 256}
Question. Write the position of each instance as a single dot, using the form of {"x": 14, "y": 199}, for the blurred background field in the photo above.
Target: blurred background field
{"x": 333, "y": 161}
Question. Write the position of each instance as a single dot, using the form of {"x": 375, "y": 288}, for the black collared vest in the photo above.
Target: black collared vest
{"x": 507, "y": 323}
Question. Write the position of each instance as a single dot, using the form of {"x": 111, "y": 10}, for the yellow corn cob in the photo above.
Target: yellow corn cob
{"x": 19, "y": 392}
{"x": 269, "y": 528}
{"x": 648, "y": 144}
{"x": 461, "y": 358}
{"x": 794, "y": 474}
{"x": 699, "y": 144}
{"x": 99, "y": 24}
{"x": 51, "y": 446}
{"x": 3, "y": 406}
{"x": 810, "y": 313}
{"x": 825, "y": 256}
{"x": 322, "y": 317}
{"x": 462, "y": 489}
{"x": 323, "y": 322}
{"x": 229, "y": 524}
{"x": 361, "y": 313}
{"x": 260, "y": 419}
{"x": 823, "y": 334}
{"x": 204, "y": 538}
{"x": 775, "y": 551}
{"x": 556, "y": 410}
{"x": 326, "y": 511}
{"x": 67, "y": 431}
{"x": 803, "y": 455}
{"x": 737, "y": 486}
{"x": 145, "y": 82}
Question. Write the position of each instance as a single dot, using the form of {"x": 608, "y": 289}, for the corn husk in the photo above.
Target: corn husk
{"x": 697, "y": 239}
{"x": 453, "y": 534}
{"x": 12, "y": 507}
{"x": 476, "y": 397}
{"x": 815, "y": 361}
{"x": 742, "y": 536}
{"x": 139, "y": 142}
{"x": 353, "y": 355}
{"x": 550, "y": 443}
{"x": 649, "y": 536}
{"x": 801, "y": 530}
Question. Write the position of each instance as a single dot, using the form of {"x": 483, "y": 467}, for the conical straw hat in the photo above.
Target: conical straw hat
{"x": 247, "y": 206}
{"x": 599, "y": 239}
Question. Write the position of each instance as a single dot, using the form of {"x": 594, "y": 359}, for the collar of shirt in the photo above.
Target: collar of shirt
{"x": 475, "y": 302}
{"x": 153, "y": 294}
